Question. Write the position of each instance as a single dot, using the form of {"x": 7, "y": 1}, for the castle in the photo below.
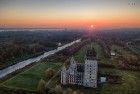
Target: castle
{"x": 84, "y": 74}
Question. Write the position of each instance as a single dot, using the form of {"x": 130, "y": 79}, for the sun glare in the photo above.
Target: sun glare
{"x": 91, "y": 26}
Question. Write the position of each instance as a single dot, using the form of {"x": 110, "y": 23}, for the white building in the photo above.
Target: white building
{"x": 113, "y": 53}
{"x": 84, "y": 74}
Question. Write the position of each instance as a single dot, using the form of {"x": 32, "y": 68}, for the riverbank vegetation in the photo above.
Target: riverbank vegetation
{"x": 16, "y": 46}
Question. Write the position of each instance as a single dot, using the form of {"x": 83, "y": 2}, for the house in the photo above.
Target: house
{"x": 84, "y": 74}
{"x": 113, "y": 53}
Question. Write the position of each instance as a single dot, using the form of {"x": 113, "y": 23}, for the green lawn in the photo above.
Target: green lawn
{"x": 123, "y": 54}
{"x": 130, "y": 84}
{"x": 109, "y": 71}
{"x": 130, "y": 79}
{"x": 29, "y": 79}
{"x": 79, "y": 56}
{"x": 100, "y": 53}
{"x": 135, "y": 48}
{"x": 85, "y": 90}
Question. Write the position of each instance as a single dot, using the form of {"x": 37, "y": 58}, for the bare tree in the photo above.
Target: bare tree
{"x": 41, "y": 87}
{"x": 49, "y": 72}
{"x": 58, "y": 89}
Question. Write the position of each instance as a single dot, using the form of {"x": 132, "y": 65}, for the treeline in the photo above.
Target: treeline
{"x": 69, "y": 51}
{"x": 123, "y": 38}
{"x": 17, "y": 46}
{"x": 74, "y": 48}
{"x": 128, "y": 62}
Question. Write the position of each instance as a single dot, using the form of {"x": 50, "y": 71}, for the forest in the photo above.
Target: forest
{"x": 16, "y": 46}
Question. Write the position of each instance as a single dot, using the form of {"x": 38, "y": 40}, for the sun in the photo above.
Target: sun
{"x": 91, "y": 26}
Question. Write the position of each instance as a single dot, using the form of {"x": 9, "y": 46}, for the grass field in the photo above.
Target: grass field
{"x": 100, "y": 53}
{"x": 130, "y": 79}
{"x": 130, "y": 84}
{"x": 135, "y": 48}
{"x": 109, "y": 71}
{"x": 29, "y": 78}
{"x": 79, "y": 56}
{"x": 124, "y": 55}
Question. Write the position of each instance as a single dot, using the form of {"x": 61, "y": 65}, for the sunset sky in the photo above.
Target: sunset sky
{"x": 69, "y": 13}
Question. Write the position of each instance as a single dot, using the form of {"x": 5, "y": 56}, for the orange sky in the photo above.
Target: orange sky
{"x": 70, "y": 13}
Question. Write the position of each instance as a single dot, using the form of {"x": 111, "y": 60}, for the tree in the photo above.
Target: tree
{"x": 75, "y": 92}
{"x": 51, "y": 91}
{"x": 78, "y": 91}
{"x": 58, "y": 89}
{"x": 47, "y": 89}
{"x": 41, "y": 87}
{"x": 69, "y": 91}
{"x": 49, "y": 72}
{"x": 65, "y": 92}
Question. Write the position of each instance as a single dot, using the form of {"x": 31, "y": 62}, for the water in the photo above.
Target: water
{"x": 24, "y": 63}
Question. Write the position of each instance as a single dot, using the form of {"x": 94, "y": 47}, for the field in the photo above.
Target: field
{"x": 28, "y": 79}
{"x": 130, "y": 79}
{"x": 79, "y": 56}
{"x": 135, "y": 49}
{"x": 125, "y": 58}
{"x": 130, "y": 84}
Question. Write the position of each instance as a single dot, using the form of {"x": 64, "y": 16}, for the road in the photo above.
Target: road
{"x": 24, "y": 63}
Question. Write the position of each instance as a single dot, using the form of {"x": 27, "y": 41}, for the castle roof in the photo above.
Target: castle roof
{"x": 91, "y": 53}
{"x": 80, "y": 67}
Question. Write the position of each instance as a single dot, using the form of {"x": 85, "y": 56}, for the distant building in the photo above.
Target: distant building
{"x": 103, "y": 79}
{"x": 84, "y": 74}
{"x": 113, "y": 53}
{"x": 59, "y": 44}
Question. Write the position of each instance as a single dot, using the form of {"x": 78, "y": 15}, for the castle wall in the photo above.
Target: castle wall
{"x": 90, "y": 74}
{"x": 81, "y": 74}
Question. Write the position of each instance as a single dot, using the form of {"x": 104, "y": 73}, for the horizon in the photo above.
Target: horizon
{"x": 69, "y": 29}
{"x": 70, "y": 13}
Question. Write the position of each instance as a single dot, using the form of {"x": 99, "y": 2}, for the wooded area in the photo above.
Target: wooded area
{"x": 16, "y": 46}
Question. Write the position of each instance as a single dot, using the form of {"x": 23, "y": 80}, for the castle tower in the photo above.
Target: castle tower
{"x": 90, "y": 74}
{"x": 72, "y": 71}
{"x": 72, "y": 61}
{"x": 72, "y": 66}
{"x": 64, "y": 75}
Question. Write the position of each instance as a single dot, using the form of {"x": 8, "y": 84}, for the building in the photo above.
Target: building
{"x": 84, "y": 74}
{"x": 113, "y": 53}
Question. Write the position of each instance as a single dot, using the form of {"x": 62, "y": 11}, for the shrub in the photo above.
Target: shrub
{"x": 58, "y": 89}
{"x": 41, "y": 87}
{"x": 75, "y": 92}
{"x": 47, "y": 89}
{"x": 49, "y": 72}
{"x": 69, "y": 91}
{"x": 51, "y": 91}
